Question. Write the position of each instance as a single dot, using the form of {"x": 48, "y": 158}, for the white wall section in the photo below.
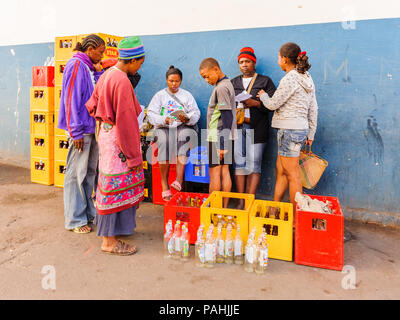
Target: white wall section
{"x": 37, "y": 21}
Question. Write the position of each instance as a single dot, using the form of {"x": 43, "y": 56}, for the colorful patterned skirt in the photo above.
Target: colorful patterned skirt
{"x": 118, "y": 188}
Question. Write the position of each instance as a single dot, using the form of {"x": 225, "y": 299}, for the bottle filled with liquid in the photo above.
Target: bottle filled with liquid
{"x": 185, "y": 243}
{"x": 177, "y": 242}
{"x": 220, "y": 245}
{"x": 199, "y": 247}
{"x": 238, "y": 250}
{"x": 167, "y": 239}
{"x": 209, "y": 249}
{"x": 229, "y": 245}
{"x": 259, "y": 256}
{"x": 249, "y": 253}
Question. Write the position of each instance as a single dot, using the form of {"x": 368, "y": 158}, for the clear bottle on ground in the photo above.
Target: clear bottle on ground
{"x": 177, "y": 242}
{"x": 238, "y": 251}
{"x": 185, "y": 243}
{"x": 249, "y": 253}
{"x": 199, "y": 247}
{"x": 220, "y": 246}
{"x": 229, "y": 245}
{"x": 259, "y": 256}
{"x": 209, "y": 248}
{"x": 167, "y": 239}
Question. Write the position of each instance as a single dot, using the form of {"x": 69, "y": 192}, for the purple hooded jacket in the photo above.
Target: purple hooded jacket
{"x": 77, "y": 87}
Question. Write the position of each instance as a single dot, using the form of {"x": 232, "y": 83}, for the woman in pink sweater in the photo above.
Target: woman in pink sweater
{"x": 121, "y": 180}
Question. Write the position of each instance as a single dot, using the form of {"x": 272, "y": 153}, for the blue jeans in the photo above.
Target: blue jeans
{"x": 248, "y": 155}
{"x": 79, "y": 183}
{"x": 290, "y": 142}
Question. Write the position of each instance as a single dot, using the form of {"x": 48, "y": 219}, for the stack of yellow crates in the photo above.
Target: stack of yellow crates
{"x": 42, "y": 125}
{"x": 64, "y": 47}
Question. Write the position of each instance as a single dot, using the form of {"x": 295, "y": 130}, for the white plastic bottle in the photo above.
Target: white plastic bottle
{"x": 238, "y": 252}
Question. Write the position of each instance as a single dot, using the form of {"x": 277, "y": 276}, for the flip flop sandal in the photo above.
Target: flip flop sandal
{"x": 176, "y": 185}
{"x": 121, "y": 249}
{"x": 80, "y": 230}
{"x": 166, "y": 194}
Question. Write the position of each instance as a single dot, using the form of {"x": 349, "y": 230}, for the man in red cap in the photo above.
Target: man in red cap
{"x": 253, "y": 132}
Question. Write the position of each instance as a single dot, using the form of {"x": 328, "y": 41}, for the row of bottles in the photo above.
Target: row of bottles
{"x": 177, "y": 241}
{"x": 211, "y": 250}
{"x": 271, "y": 212}
{"x": 225, "y": 221}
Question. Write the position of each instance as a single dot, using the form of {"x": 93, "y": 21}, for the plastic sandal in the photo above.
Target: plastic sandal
{"x": 176, "y": 185}
{"x": 166, "y": 195}
{"x": 80, "y": 231}
{"x": 122, "y": 249}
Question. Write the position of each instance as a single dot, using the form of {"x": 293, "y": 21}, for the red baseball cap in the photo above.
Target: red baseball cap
{"x": 107, "y": 63}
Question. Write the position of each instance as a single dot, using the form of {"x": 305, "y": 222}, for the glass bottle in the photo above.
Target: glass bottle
{"x": 220, "y": 245}
{"x": 259, "y": 261}
{"x": 177, "y": 243}
{"x": 249, "y": 254}
{"x": 229, "y": 245}
{"x": 167, "y": 238}
{"x": 185, "y": 243}
{"x": 238, "y": 254}
{"x": 209, "y": 249}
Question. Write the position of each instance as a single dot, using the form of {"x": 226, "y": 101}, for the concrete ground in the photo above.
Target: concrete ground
{"x": 33, "y": 236}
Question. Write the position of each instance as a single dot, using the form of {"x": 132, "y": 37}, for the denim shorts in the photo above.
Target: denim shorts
{"x": 291, "y": 141}
{"x": 248, "y": 155}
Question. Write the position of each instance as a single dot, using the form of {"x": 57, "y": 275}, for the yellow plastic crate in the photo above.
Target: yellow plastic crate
{"x": 280, "y": 237}
{"x": 57, "y": 98}
{"x": 146, "y": 192}
{"x": 59, "y": 173}
{"x": 61, "y": 145}
{"x": 213, "y": 207}
{"x": 59, "y": 72}
{"x": 63, "y": 47}
{"x": 111, "y": 44}
{"x": 42, "y": 99}
{"x": 42, "y": 147}
{"x": 42, "y": 171}
{"x": 42, "y": 123}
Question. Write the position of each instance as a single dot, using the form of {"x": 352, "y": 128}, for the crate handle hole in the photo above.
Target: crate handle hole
{"x": 319, "y": 224}
{"x": 182, "y": 216}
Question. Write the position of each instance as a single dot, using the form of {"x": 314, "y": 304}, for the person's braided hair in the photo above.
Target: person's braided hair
{"x": 91, "y": 40}
{"x": 298, "y": 58}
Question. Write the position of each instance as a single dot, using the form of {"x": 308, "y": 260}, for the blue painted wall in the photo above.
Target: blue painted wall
{"x": 356, "y": 72}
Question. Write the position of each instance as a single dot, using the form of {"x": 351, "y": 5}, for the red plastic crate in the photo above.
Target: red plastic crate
{"x": 157, "y": 188}
{"x": 191, "y": 215}
{"x": 320, "y": 246}
{"x": 156, "y": 177}
{"x": 43, "y": 76}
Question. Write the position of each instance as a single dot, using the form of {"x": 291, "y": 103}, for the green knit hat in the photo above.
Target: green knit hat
{"x": 130, "y": 48}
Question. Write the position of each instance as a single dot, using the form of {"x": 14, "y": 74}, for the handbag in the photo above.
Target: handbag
{"x": 240, "y": 112}
{"x": 311, "y": 168}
